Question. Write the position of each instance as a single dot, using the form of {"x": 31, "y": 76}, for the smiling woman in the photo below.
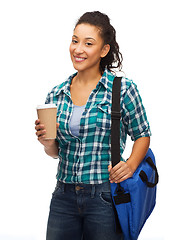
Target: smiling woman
{"x": 81, "y": 206}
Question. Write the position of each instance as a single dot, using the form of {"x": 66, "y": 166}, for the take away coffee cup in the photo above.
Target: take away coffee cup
{"x": 47, "y": 115}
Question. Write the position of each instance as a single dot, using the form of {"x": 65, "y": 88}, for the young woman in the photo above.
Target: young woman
{"x": 81, "y": 205}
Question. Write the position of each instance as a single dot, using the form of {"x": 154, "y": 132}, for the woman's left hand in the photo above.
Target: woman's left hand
{"x": 119, "y": 172}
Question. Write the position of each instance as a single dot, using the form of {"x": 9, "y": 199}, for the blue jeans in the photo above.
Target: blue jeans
{"x": 82, "y": 211}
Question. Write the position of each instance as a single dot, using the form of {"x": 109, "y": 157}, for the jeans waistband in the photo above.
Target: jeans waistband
{"x": 80, "y": 187}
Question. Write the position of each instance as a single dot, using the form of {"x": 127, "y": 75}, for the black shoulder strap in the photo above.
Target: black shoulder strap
{"x": 115, "y": 121}
{"x": 121, "y": 197}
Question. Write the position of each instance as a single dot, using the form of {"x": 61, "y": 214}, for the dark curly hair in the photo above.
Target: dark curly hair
{"x": 114, "y": 58}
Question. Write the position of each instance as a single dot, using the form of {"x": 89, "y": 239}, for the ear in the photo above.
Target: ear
{"x": 105, "y": 50}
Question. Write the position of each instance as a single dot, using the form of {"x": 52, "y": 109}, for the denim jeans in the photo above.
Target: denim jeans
{"x": 82, "y": 212}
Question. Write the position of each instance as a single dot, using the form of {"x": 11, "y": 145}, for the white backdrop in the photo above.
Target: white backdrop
{"x": 34, "y": 57}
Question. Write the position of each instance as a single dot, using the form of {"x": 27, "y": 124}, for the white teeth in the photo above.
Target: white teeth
{"x": 79, "y": 59}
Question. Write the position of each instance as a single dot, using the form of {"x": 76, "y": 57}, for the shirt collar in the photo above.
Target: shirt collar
{"x": 106, "y": 80}
{"x": 65, "y": 86}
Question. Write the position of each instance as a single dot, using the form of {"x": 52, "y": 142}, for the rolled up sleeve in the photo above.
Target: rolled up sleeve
{"x": 135, "y": 118}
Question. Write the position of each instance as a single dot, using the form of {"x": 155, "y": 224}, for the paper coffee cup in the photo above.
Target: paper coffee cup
{"x": 47, "y": 115}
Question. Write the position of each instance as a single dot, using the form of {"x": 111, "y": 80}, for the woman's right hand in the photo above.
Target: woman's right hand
{"x": 41, "y": 131}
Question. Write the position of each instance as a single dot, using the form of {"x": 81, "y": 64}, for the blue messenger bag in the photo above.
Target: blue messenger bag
{"x": 134, "y": 199}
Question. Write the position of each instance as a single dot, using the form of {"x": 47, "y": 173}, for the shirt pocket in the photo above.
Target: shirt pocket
{"x": 104, "y": 117}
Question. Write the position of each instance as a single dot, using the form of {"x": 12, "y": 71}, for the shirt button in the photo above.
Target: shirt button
{"x": 78, "y": 188}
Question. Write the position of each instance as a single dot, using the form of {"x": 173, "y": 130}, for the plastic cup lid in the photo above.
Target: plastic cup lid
{"x": 44, "y": 106}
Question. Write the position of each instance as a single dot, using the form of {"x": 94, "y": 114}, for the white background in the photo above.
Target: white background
{"x": 34, "y": 57}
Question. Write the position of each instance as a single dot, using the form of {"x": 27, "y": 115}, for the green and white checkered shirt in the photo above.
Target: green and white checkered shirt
{"x": 85, "y": 159}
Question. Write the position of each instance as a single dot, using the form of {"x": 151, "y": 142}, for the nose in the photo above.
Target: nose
{"x": 79, "y": 49}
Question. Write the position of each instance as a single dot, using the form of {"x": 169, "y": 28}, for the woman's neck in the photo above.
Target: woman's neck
{"x": 88, "y": 77}
{"x": 82, "y": 85}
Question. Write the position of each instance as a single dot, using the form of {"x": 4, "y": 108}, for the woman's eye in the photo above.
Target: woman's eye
{"x": 88, "y": 44}
{"x": 74, "y": 41}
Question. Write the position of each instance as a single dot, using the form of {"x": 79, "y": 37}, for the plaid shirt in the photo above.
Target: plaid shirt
{"x": 85, "y": 159}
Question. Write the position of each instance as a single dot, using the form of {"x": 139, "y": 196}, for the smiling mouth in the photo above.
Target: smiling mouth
{"x": 79, "y": 59}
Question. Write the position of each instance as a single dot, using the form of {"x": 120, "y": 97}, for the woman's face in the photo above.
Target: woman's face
{"x": 87, "y": 48}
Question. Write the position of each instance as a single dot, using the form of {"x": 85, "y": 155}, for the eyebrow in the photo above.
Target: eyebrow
{"x": 88, "y": 38}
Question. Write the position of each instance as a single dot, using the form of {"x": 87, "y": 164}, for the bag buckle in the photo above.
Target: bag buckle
{"x": 121, "y": 196}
